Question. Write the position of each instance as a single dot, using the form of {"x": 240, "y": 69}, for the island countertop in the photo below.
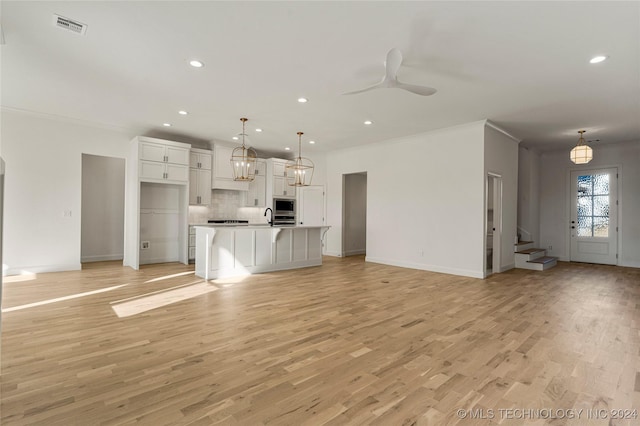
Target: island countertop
{"x": 254, "y": 226}
{"x": 234, "y": 250}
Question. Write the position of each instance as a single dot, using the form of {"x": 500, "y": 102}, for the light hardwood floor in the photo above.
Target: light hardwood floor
{"x": 345, "y": 343}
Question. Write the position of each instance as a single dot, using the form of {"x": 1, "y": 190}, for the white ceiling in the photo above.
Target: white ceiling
{"x": 523, "y": 65}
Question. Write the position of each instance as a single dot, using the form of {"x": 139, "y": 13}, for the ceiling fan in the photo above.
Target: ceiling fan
{"x": 390, "y": 80}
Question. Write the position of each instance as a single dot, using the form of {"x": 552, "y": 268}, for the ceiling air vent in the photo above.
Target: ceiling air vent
{"x": 69, "y": 24}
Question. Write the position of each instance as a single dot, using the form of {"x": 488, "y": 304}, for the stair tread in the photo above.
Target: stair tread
{"x": 530, "y": 251}
{"x": 544, "y": 259}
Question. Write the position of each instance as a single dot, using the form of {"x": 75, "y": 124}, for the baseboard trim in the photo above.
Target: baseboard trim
{"x": 39, "y": 269}
{"x": 355, "y": 252}
{"x": 425, "y": 267}
{"x": 507, "y": 267}
{"x": 101, "y": 258}
{"x": 333, "y": 253}
{"x": 630, "y": 264}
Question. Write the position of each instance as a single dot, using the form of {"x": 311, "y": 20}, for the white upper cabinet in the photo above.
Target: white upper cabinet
{"x": 200, "y": 159}
{"x": 278, "y": 181}
{"x": 163, "y": 161}
{"x": 200, "y": 177}
{"x": 257, "y": 194}
{"x": 222, "y": 171}
{"x": 163, "y": 152}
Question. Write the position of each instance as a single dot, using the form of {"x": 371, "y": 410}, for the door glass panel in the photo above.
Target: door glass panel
{"x": 584, "y": 185}
{"x": 600, "y": 226}
{"x": 585, "y": 226}
{"x": 584, "y": 206}
{"x": 601, "y": 184}
{"x": 601, "y": 205}
{"x": 593, "y": 205}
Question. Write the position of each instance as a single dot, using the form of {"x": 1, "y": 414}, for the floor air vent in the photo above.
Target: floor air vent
{"x": 69, "y": 24}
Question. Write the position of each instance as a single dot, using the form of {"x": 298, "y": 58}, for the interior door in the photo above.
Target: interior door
{"x": 594, "y": 216}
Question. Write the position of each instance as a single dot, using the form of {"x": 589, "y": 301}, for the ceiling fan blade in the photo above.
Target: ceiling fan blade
{"x": 392, "y": 64}
{"x": 375, "y": 86}
{"x": 418, "y": 90}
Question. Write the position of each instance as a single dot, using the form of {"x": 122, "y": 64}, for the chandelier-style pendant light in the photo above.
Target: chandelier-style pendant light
{"x": 243, "y": 160}
{"x": 581, "y": 153}
{"x": 300, "y": 170}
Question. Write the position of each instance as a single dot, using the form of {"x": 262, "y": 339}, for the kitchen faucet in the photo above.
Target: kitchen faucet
{"x": 271, "y": 216}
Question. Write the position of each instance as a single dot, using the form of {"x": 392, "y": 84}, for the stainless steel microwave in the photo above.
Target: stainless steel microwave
{"x": 284, "y": 207}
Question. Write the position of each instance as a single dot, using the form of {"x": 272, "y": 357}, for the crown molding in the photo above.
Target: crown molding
{"x": 66, "y": 119}
{"x": 499, "y": 129}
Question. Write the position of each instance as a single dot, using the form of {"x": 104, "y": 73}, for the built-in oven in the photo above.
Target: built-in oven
{"x": 284, "y": 211}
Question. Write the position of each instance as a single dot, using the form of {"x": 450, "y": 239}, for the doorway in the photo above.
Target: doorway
{"x": 102, "y": 214}
{"x": 493, "y": 225}
{"x": 354, "y": 214}
{"x": 594, "y": 216}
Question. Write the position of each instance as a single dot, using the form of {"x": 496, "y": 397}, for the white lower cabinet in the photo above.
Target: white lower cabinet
{"x": 192, "y": 243}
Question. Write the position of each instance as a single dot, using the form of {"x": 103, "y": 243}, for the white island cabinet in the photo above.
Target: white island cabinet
{"x": 227, "y": 251}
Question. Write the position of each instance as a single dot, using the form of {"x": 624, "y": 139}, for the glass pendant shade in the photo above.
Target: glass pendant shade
{"x": 243, "y": 160}
{"x": 300, "y": 170}
{"x": 581, "y": 153}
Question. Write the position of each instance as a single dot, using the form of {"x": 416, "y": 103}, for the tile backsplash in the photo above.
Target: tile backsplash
{"x": 226, "y": 204}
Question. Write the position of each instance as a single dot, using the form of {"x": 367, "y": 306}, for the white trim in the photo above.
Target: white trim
{"x": 64, "y": 118}
{"x": 101, "y": 258}
{"x": 629, "y": 264}
{"x": 498, "y": 129}
{"x": 505, "y": 268}
{"x": 332, "y": 253}
{"x": 37, "y": 269}
{"x": 424, "y": 267}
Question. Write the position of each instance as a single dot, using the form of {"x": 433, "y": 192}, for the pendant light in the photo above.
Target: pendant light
{"x": 243, "y": 160}
{"x": 300, "y": 170}
{"x": 581, "y": 153}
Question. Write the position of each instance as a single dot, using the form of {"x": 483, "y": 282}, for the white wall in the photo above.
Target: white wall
{"x": 425, "y": 199}
{"x": 529, "y": 194}
{"x": 555, "y": 198}
{"x": 102, "y": 222}
{"x": 44, "y": 177}
{"x": 501, "y": 158}
{"x": 355, "y": 214}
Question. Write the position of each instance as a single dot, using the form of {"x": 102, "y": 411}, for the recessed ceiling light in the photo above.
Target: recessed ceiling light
{"x": 258, "y": 130}
{"x": 303, "y": 100}
{"x": 183, "y": 112}
{"x": 597, "y": 59}
{"x": 166, "y": 124}
{"x": 196, "y": 64}
{"x": 287, "y": 149}
{"x": 235, "y": 138}
{"x": 368, "y": 122}
{"x": 312, "y": 142}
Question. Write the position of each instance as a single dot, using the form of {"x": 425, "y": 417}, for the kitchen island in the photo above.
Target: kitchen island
{"x": 227, "y": 251}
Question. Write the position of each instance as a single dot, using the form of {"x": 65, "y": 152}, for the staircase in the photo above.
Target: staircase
{"x": 528, "y": 257}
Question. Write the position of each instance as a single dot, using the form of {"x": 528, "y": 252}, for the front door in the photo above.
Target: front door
{"x": 594, "y": 216}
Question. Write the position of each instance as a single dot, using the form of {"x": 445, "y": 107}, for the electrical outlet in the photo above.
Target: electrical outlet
{"x": 144, "y": 245}
{"x": 550, "y": 248}
{"x": 67, "y": 213}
